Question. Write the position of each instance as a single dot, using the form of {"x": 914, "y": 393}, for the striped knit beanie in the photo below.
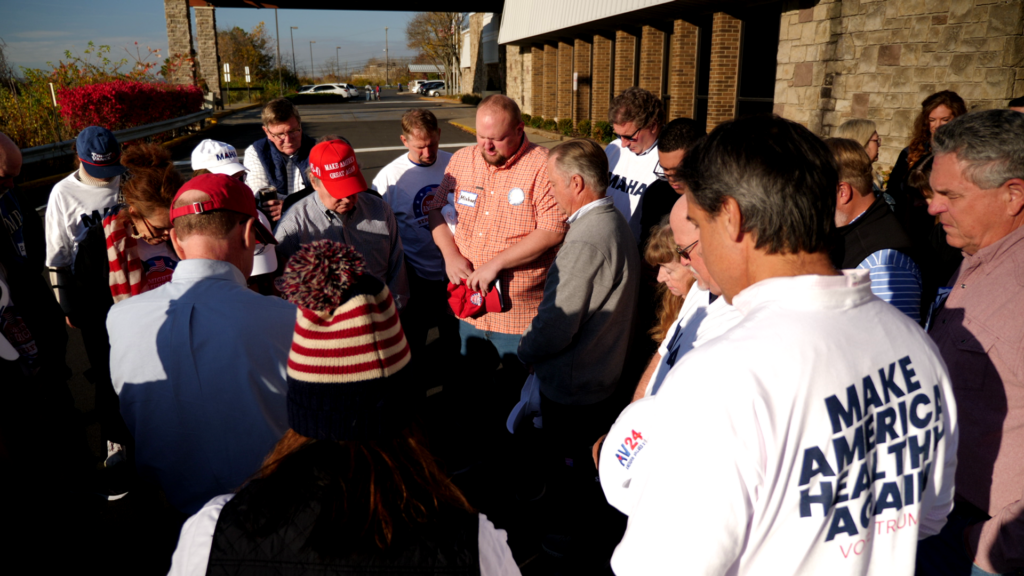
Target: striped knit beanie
{"x": 344, "y": 369}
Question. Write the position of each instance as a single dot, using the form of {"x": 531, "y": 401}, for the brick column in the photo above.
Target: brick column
{"x": 179, "y": 40}
{"x": 564, "y": 79}
{"x": 582, "y": 68}
{"x": 652, "y": 59}
{"x": 602, "y": 77}
{"x": 625, "y": 61}
{"x": 726, "y": 32}
{"x": 206, "y": 40}
{"x": 550, "y": 81}
{"x": 526, "y": 55}
{"x": 682, "y": 73}
{"x": 537, "y": 81}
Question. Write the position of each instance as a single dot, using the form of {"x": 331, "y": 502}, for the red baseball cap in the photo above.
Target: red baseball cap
{"x": 334, "y": 163}
{"x": 226, "y": 193}
{"x": 469, "y": 304}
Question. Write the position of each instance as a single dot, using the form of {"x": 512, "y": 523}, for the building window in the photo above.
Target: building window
{"x": 758, "y": 54}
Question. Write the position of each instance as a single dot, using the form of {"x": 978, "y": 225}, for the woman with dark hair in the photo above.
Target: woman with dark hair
{"x": 350, "y": 488}
{"x": 126, "y": 254}
{"x": 936, "y": 111}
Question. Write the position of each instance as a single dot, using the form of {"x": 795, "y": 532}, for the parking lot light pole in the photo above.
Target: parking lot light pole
{"x": 294, "y": 69}
{"x": 337, "y": 64}
{"x": 312, "y": 70}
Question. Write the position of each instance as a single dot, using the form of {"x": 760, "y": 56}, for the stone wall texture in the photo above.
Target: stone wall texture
{"x": 179, "y": 38}
{"x": 206, "y": 40}
{"x": 878, "y": 59}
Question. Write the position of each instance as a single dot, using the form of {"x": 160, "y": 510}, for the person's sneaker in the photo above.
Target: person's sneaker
{"x": 556, "y": 545}
{"x": 112, "y": 483}
{"x": 116, "y": 454}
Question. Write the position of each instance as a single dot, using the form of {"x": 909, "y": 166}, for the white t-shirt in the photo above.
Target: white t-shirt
{"x": 697, "y": 323}
{"x": 193, "y": 551}
{"x": 818, "y": 436}
{"x": 407, "y": 187}
{"x": 72, "y": 208}
{"x": 158, "y": 264}
{"x": 629, "y": 176}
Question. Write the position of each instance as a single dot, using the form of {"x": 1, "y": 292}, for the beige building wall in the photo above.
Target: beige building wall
{"x": 879, "y": 59}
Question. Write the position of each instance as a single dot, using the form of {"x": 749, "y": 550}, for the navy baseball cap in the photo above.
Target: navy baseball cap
{"x": 100, "y": 152}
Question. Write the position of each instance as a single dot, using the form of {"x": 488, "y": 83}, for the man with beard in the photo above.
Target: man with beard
{"x": 509, "y": 227}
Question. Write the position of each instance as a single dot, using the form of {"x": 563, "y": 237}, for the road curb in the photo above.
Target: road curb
{"x": 463, "y": 127}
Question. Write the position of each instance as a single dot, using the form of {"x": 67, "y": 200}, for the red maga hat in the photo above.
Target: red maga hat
{"x": 469, "y": 304}
{"x": 226, "y": 193}
{"x": 334, "y": 163}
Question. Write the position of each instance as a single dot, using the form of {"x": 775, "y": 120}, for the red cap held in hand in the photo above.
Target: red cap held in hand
{"x": 469, "y": 304}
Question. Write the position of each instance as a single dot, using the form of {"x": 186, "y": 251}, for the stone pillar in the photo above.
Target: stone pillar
{"x": 625, "y": 61}
{"x": 652, "y": 60}
{"x": 206, "y": 39}
{"x": 550, "y": 82}
{"x": 537, "y": 81}
{"x": 602, "y": 86}
{"x": 564, "y": 79}
{"x": 682, "y": 73}
{"x": 726, "y": 33}
{"x": 582, "y": 50}
{"x": 179, "y": 41}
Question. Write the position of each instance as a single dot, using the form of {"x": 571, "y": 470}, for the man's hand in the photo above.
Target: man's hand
{"x": 67, "y": 319}
{"x": 484, "y": 277}
{"x": 273, "y": 207}
{"x": 457, "y": 267}
{"x": 597, "y": 449}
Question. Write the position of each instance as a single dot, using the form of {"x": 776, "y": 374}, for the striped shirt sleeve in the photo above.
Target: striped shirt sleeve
{"x": 896, "y": 279}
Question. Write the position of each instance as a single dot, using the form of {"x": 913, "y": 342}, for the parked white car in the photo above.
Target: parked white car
{"x": 339, "y": 89}
{"x": 435, "y": 89}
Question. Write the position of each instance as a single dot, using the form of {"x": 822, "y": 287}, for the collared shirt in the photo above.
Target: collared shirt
{"x": 603, "y": 201}
{"x": 370, "y": 228}
{"x": 785, "y": 435}
{"x": 497, "y": 207}
{"x": 699, "y": 320}
{"x": 980, "y": 333}
{"x": 896, "y": 279}
{"x": 256, "y": 178}
{"x": 200, "y": 366}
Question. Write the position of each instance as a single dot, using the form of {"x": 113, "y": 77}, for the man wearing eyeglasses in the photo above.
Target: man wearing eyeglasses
{"x": 636, "y": 115}
{"x": 279, "y": 160}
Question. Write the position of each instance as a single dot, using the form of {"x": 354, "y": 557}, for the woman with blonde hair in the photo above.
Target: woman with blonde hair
{"x": 865, "y": 133}
{"x": 674, "y": 279}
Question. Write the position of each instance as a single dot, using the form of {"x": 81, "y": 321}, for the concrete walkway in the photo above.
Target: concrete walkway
{"x": 468, "y": 124}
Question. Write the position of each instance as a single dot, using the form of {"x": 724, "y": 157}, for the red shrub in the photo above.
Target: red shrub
{"x": 123, "y": 104}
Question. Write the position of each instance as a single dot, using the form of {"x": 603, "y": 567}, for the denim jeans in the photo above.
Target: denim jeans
{"x": 944, "y": 554}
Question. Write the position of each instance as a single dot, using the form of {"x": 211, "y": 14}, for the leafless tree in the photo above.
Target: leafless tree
{"x": 438, "y": 36}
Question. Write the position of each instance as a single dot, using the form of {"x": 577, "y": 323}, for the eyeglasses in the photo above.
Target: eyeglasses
{"x": 289, "y": 134}
{"x": 153, "y": 232}
{"x": 631, "y": 137}
{"x": 666, "y": 175}
{"x": 876, "y": 140}
{"x": 685, "y": 252}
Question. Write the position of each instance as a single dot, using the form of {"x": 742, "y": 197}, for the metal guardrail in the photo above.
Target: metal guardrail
{"x": 61, "y": 149}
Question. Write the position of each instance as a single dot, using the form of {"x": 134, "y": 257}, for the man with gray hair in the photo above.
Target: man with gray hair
{"x": 783, "y": 436}
{"x": 578, "y": 340}
{"x": 978, "y": 180}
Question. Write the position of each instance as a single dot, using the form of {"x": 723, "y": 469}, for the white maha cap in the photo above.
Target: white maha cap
{"x": 217, "y": 157}
{"x": 266, "y": 262}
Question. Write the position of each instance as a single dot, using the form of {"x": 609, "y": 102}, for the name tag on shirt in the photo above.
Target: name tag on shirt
{"x": 467, "y": 198}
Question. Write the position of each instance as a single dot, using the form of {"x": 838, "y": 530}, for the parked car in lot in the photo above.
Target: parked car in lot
{"x": 339, "y": 89}
{"x": 414, "y": 85}
{"x": 305, "y": 88}
{"x": 434, "y": 89}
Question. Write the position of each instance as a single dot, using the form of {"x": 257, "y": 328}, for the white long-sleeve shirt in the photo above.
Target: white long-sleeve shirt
{"x": 193, "y": 551}
{"x": 73, "y": 207}
{"x": 818, "y": 436}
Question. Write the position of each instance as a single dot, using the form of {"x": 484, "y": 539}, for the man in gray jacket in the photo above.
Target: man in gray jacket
{"x": 577, "y": 342}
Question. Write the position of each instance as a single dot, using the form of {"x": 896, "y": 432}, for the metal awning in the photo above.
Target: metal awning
{"x": 425, "y": 69}
{"x": 380, "y": 5}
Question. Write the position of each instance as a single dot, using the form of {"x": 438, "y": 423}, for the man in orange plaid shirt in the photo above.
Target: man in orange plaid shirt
{"x": 509, "y": 227}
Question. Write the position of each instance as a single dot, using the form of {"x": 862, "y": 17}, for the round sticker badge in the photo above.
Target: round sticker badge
{"x": 516, "y": 196}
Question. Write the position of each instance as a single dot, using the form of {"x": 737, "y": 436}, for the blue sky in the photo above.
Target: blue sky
{"x": 38, "y": 31}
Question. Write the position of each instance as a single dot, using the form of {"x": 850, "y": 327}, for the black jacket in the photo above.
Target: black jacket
{"x": 876, "y": 229}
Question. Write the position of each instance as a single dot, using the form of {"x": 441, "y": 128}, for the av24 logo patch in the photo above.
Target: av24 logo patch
{"x": 419, "y": 202}
{"x": 629, "y": 448}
